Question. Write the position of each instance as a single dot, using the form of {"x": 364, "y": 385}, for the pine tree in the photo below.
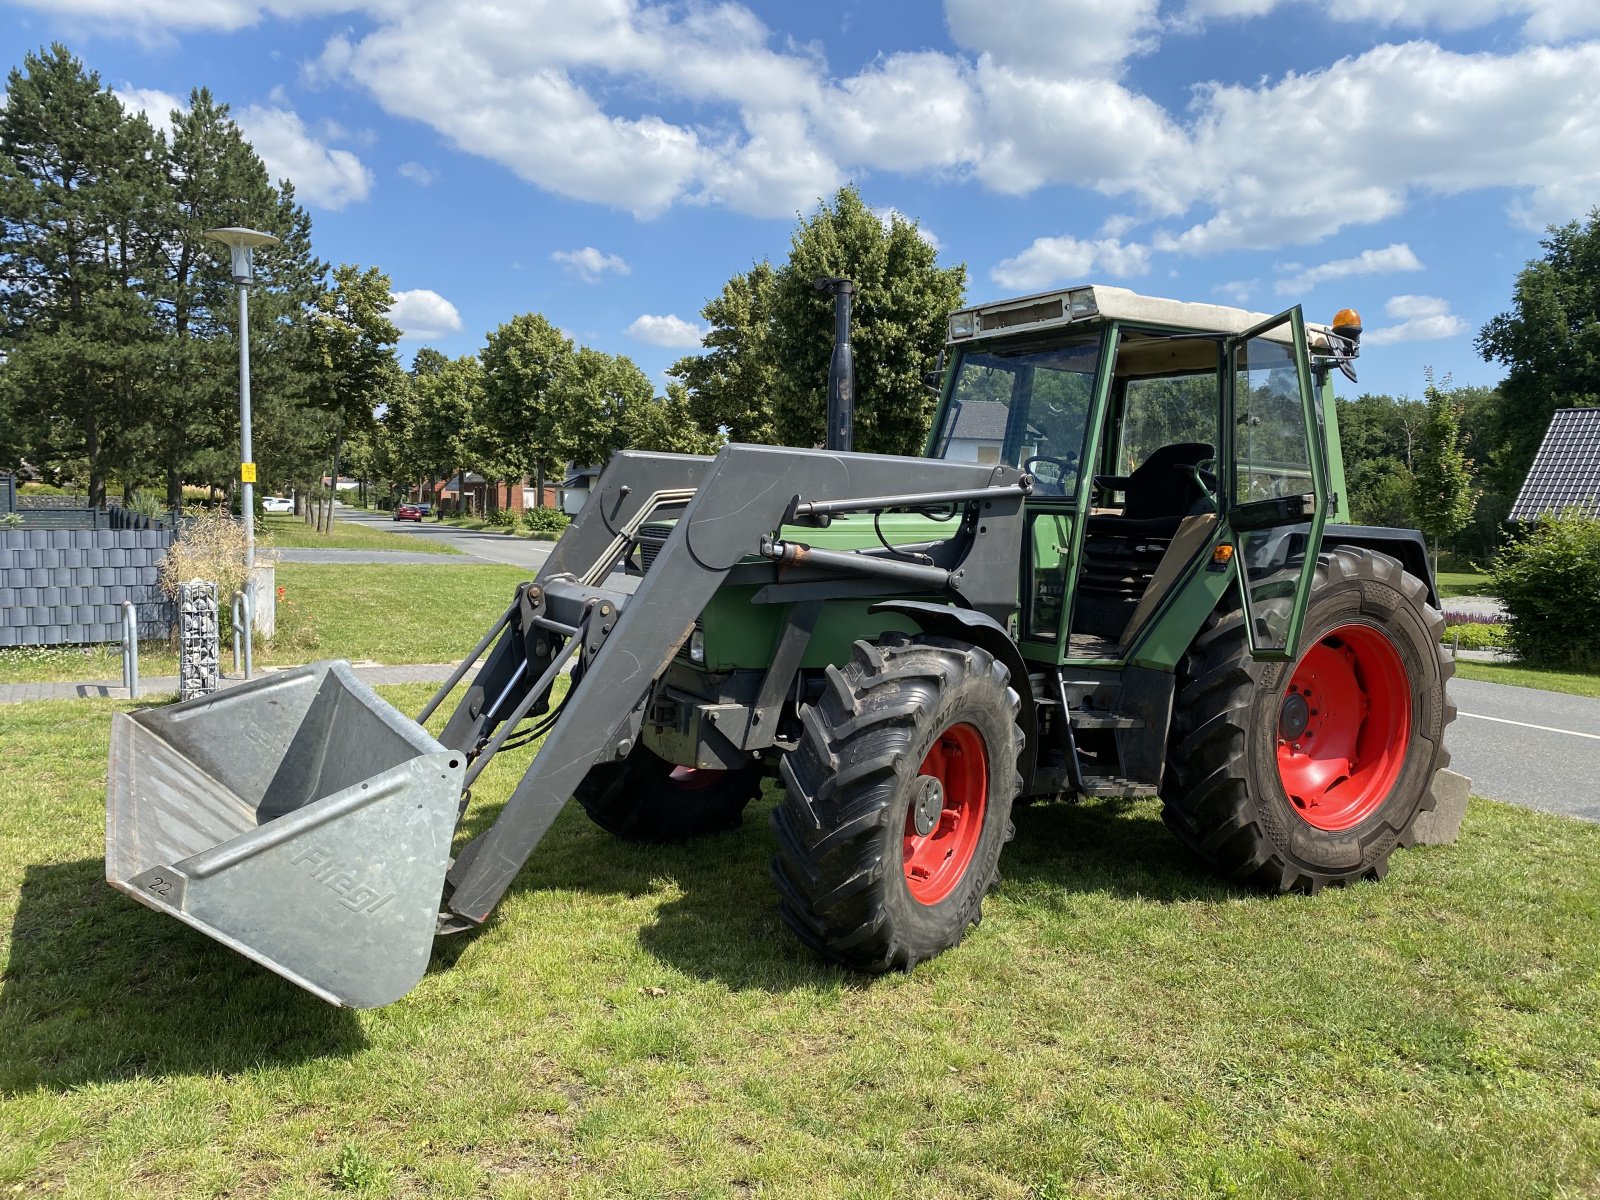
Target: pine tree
{"x": 79, "y": 217}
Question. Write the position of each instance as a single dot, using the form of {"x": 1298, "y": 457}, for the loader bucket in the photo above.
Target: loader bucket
{"x": 299, "y": 819}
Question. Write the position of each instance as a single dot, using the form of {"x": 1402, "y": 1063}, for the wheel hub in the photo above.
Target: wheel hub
{"x": 1294, "y": 716}
{"x": 929, "y": 804}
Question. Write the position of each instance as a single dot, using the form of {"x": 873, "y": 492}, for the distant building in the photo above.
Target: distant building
{"x": 1566, "y": 471}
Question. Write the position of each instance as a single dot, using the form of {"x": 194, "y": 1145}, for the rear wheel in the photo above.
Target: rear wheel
{"x": 645, "y": 798}
{"x": 1291, "y": 776}
{"x": 897, "y": 802}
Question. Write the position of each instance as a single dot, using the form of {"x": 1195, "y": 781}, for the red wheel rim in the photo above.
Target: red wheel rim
{"x": 945, "y": 818}
{"x": 1344, "y": 726}
{"x": 694, "y": 779}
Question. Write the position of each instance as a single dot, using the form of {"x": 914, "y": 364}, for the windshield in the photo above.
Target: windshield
{"x": 1025, "y": 407}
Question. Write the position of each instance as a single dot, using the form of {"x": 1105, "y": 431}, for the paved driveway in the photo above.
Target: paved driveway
{"x": 1541, "y": 749}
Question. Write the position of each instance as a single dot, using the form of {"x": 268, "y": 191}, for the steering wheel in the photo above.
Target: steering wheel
{"x": 1204, "y": 474}
{"x": 1064, "y": 467}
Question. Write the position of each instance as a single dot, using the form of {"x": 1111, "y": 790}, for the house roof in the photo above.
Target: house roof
{"x": 1566, "y": 471}
{"x": 982, "y": 420}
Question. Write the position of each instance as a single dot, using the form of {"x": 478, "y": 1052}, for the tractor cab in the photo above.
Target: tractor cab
{"x": 1163, "y": 439}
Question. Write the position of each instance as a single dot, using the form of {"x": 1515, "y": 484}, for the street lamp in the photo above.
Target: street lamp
{"x": 242, "y": 242}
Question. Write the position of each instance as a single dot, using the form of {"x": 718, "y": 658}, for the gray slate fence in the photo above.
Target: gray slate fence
{"x": 65, "y": 586}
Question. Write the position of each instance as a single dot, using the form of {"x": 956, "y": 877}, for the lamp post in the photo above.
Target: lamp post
{"x": 242, "y": 243}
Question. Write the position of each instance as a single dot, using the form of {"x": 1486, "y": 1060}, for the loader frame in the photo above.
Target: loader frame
{"x": 730, "y": 510}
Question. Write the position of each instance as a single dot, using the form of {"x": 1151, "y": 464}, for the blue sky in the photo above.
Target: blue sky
{"x": 610, "y": 164}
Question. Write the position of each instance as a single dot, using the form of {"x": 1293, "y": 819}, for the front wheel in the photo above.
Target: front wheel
{"x": 1292, "y": 776}
{"x": 645, "y": 798}
{"x": 897, "y": 802}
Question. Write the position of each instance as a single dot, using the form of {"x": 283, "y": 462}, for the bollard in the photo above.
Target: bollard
{"x": 241, "y": 627}
{"x": 130, "y": 649}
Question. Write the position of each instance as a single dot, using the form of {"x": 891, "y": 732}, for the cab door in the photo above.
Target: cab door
{"x": 1275, "y": 479}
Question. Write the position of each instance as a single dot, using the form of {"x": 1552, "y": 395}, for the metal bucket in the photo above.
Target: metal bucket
{"x": 299, "y": 819}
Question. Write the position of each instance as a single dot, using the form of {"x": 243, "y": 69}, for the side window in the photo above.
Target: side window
{"x": 1272, "y": 453}
{"x": 1162, "y": 411}
{"x": 980, "y": 406}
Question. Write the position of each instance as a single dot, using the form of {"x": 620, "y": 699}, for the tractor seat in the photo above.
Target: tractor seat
{"x": 1160, "y": 492}
{"x": 1123, "y": 551}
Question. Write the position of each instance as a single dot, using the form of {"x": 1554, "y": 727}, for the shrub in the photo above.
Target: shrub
{"x": 547, "y": 522}
{"x": 146, "y": 504}
{"x": 1549, "y": 581}
{"x": 1474, "y": 633}
{"x": 210, "y": 545}
{"x": 501, "y": 518}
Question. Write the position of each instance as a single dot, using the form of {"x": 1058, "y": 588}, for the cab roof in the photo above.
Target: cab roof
{"x": 1098, "y": 302}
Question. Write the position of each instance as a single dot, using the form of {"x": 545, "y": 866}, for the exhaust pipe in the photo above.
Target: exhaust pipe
{"x": 841, "y": 368}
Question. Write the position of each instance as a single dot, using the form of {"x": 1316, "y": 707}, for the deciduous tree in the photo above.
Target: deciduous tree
{"x": 903, "y": 298}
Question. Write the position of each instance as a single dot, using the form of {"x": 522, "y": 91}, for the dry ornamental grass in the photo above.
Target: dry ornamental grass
{"x": 210, "y": 546}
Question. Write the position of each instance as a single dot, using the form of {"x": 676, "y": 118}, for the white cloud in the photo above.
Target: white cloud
{"x": 908, "y": 112}
{"x": 1383, "y": 126}
{"x": 1237, "y": 291}
{"x": 1422, "y": 319}
{"x": 417, "y": 173}
{"x": 1543, "y": 20}
{"x": 1055, "y": 38}
{"x": 322, "y": 177}
{"x": 1060, "y": 260}
{"x": 421, "y": 313}
{"x": 584, "y": 101}
{"x": 665, "y": 331}
{"x": 886, "y": 217}
{"x": 1397, "y": 256}
{"x": 156, "y": 105}
{"x": 590, "y": 264}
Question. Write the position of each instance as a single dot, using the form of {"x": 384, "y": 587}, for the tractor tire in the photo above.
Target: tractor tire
{"x": 645, "y": 798}
{"x": 1293, "y": 776}
{"x": 898, "y": 802}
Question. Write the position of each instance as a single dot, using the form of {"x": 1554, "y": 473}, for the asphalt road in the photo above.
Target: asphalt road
{"x": 488, "y": 547}
{"x": 1540, "y": 749}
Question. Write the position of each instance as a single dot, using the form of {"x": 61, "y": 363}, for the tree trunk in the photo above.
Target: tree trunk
{"x": 338, "y": 447}
{"x": 538, "y": 483}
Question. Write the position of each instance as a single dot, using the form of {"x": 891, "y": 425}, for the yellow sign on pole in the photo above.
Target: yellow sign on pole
{"x": 247, "y": 472}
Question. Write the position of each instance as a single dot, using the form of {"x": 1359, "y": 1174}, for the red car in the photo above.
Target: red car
{"x": 411, "y": 512}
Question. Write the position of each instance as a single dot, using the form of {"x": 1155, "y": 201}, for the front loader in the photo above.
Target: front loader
{"x": 1120, "y": 569}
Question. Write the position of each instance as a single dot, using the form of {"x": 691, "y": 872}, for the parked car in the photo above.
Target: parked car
{"x": 410, "y": 512}
{"x": 277, "y": 504}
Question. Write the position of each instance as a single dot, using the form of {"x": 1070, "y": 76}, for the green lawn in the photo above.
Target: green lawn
{"x": 636, "y": 1022}
{"x": 287, "y": 531}
{"x": 1462, "y": 583}
{"x": 1572, "y": 682}
{"x": 402, "y": 613}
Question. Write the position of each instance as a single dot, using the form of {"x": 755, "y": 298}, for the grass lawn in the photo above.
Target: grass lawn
{"x": 293, "y": 532}
{"x": 1462, "y": 583}
{"x": 402, "y": 613}
{"x": 478, "y": 525}
{"x": 636, "y": 1022}
{"x": 1572, "y": 682}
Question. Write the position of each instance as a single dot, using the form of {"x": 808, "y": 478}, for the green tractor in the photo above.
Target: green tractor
{"x": 1122, "y": 568}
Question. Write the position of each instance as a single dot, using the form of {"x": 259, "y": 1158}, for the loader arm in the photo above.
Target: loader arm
{"x": 742, "y": 498}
